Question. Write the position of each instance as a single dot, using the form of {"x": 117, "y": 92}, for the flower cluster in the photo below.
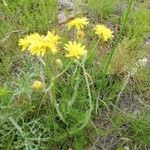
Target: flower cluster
{"x": 39, "y": 44}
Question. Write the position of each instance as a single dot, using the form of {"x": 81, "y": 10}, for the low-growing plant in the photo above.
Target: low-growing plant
{"x": 45, "y": 47}
{"x": 66, "y": 77}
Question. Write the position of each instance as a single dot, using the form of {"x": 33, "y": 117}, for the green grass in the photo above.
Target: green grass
{"x": 101, "y": 99}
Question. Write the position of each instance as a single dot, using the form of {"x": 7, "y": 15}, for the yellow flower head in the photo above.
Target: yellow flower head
{"x": 26, "y": 42}
{"x": 103, "y": 32}
{"x": 37, "y": 85}
{"x": 78, "y": 23}
{"x": 38, "y": 45}
{"x": 75, "y": 50}
{"x": 51, "y": 42}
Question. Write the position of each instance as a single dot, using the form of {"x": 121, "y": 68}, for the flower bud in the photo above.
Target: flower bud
{"x": 37, "y": 85}
{"x": 59, "y": 63}
{"x": 80, "y": 34}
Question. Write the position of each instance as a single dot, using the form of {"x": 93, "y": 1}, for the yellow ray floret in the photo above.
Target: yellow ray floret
{"x": 28, "y": 40}
{"x": 39, "y": 44}
{"x": 78, "y": 23}
{"x": 75, "y": 50}
{"x": 103, "y": 32}
{"x": 51, "y": 41}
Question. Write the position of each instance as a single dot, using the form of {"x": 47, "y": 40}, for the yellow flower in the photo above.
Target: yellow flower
{"x": 78, "y": 23}
{"x": 51, "y": 42}
{"x": 38, "y": 45}
{"x": 26, "y": 42}
{"x": 75, "y": 50}
{"x": 103, "y": 32}
{"x": 80, "y": 34}
{"x": 37, "y": 85}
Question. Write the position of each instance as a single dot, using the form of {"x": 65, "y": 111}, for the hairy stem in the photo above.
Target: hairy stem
{"x": 123, "y": 88}
{"x": 89, "y": 91}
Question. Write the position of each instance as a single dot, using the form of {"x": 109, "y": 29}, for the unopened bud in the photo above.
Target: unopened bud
{"x": 37, "y": 85}
{"x": 59, "y": 63}
{"x": 80, "y": 34}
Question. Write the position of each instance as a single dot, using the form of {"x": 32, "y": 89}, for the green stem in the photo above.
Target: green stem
{"x": 76, "y": 87}
{"x": 63, "y": 71}
{"x": 53, "y": 100}
{"x": 76, "y": 129}
{"x": 51, "y": 89}
{"x": 95, "y": 46}
{"x": 89, "y": 92}
{"x": 123, "y": 88}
